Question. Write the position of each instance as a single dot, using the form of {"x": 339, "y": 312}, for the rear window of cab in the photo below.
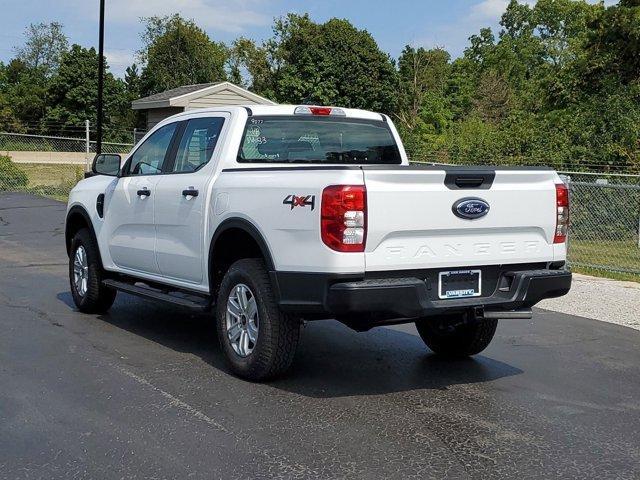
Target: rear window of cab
{"x": 316, "y": 139}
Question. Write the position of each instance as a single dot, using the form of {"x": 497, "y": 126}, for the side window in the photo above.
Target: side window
{"x": 198, "y": 143}
{"x": 148, "y": 158}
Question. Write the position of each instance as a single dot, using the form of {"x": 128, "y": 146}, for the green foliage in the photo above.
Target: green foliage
{"x": 612, "y": 49}
{"x": 591, "y": 213}
{"x": 44, "y": 46}
{"x": 177, "y": 52}
{"x": 260, "y": 66}
{"x": 73, "y": 91}
{"x": 332, "y": 63}
{"x": 23, "y": 89}
{"x": 9, "y": 122}
{"x": 424, "y": 110}
{"x": 133, "y": 90}
{"x": 11, "y": 177}
{"x": 557, "y": 84}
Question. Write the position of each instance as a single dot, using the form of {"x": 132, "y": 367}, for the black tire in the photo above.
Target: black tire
{"x": 97, "y": 298}
{"x": 457, "y": 335}
{"x": 278, "y": 333}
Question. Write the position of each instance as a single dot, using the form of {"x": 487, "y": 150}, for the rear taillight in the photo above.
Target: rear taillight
{"x": 562, "y": 213}
{"x": 344, "y": 217}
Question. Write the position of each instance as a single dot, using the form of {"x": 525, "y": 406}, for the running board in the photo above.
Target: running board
{"x": 201, "y": 303}
{"x": 524, "y": 314}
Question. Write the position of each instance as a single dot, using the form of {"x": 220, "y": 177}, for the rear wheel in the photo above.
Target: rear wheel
{"x": 86, "y": 274}
{"x": 458, "y": 335}
{"x": 258, "y": 340}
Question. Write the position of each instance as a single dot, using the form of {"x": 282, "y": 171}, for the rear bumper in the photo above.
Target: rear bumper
{"x": 409, "y": 297}
{"x": 320, "y": 296}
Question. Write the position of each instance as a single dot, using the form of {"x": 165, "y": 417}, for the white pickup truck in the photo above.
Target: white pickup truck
{"x": 273, "y": 215}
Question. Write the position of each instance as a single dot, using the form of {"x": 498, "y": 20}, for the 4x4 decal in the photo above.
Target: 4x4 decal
{"x": 300, "y": 201}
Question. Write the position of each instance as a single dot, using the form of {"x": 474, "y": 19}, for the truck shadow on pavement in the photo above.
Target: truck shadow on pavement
{"x": 332, "y": 360}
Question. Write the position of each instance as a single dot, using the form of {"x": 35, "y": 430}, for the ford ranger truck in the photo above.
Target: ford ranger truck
{"x": 271, "y": 216}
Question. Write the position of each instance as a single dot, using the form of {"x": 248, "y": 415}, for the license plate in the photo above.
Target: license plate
{"x": 460, "y": 284}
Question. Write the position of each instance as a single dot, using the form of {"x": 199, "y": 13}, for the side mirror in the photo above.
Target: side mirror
{"x": 106, "y": 164}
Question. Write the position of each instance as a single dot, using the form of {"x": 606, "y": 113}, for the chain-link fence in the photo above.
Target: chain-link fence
{"x": 21, "y": 142}
{"x": 46, "y": 179}
{"x": 605, "y": 224}
{"x": 138, "y": 135}
{"x": 605, "y": 208}
{"x": 48, "y": 165}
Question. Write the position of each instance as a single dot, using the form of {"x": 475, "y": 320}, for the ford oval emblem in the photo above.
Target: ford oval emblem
{"x": 470, "y": 208}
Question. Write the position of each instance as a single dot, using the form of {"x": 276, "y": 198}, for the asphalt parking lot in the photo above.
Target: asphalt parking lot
{"x": 142, "y": 392}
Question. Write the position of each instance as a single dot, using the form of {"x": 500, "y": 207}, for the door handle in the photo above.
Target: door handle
{"x": 145, "y": 192}
{"x": 190, "y": 192}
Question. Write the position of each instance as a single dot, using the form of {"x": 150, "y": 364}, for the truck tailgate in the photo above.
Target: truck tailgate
{"x": 412, "y": 225}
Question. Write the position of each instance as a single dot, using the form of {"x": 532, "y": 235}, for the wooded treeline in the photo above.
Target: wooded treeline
{"x": 558, "y": 84}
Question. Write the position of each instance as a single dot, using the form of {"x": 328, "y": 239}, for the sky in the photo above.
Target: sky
{"x": 393, "y": 23}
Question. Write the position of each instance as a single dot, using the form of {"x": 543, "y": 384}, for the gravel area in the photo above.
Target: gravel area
{"x": 600, "y": 299}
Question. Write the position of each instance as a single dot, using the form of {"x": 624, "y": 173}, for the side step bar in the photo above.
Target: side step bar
{"x": 195, "y": 303}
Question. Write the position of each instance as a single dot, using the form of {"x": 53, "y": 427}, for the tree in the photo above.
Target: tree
{"x": 24, "y": 87}
{"x": 493, "y": 98}
{"x": 8, "y": 120}
{"x": 133, "y": 86}
{"x": 332, "y": 63}
{"x": 612, "y": 50}
{"x": 44, "y": 46}
{"x": 177, "y": 52}
{"x": 132, "y": 81}
{"x": 424, "y": 111}
{"x": 25, "y": 93}
{"x": 73, "y": 92}
{"x": 422, "y": 73}
{"x": 249, "y": 65}
{"x": 558, "y": 86}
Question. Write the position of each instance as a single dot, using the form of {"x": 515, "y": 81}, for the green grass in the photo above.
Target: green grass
{"x": 610, "y": 259}
{"x": 50, "y": 174}
{"x": 53, "y": 181}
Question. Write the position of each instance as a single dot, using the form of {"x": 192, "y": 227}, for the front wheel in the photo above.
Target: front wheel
{"x": 458, "y": 335}
{"x": 257, "y": 339}
{"x": 85, "y": 275}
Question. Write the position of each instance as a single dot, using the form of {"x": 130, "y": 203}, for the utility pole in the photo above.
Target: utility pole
{"x": 100, "y": 80}
{"x": 87, "y": 138}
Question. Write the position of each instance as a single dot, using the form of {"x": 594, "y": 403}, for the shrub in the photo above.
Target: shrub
{"x": 11, "y": 176}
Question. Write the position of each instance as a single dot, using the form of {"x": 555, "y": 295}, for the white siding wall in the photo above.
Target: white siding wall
{"x": 219, "y": 99}
{"x": 156, "y": 115}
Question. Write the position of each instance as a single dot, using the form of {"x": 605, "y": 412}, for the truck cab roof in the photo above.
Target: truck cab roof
{"x": 285, "y": 110}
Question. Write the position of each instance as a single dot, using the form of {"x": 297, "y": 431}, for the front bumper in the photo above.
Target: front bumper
{"x": 318, "y": 296}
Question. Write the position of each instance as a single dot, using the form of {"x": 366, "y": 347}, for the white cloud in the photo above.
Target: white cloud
{"x": 488, "y": 9}
{"x": 493, "y": 9}
{"x": 482, "y": 13}
{"x": 222, "y": 15}
{"x": 119, "y": 58}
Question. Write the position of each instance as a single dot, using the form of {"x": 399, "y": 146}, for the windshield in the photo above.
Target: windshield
{"x": 313, "y": 139}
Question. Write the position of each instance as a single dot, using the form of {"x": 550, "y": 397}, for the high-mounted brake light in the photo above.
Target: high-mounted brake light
{"x": 323, "y": 111}
{"x": 562, "y": 213}
{"x": 344, "y": 217}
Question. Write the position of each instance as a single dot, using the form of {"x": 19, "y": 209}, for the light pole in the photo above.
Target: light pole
{"x": 100, "y": 80}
